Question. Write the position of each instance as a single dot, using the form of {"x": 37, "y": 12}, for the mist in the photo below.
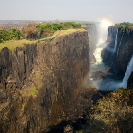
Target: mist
{"x": 108, "y": 84}
{"x": 102, "y": 29}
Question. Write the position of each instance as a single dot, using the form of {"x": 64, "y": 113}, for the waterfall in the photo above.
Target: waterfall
{"x": 114, "y": 49}
{"x": 115, "y": 41}
{"x": 128, "y": 72}
{"x": 120, "y": 44}
{"x": 110, "y": 85}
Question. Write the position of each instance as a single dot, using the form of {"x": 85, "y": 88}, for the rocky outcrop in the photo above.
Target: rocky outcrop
{"x": 119, "y": 59}
{"x": 106, "y": 54}
{"x": 39, "y": 83}
{"x": 130, "y": 81}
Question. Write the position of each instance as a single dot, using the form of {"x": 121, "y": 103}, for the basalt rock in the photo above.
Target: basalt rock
{"x": 93, "y": 37}
{"x": 130, "y": 81}
{"x": 40, "y": 83}
{"x": 100, "y": 74}
{"x": 119, "y": 59}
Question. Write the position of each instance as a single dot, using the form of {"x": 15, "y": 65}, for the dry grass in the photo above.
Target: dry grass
{"x": 12, "y": 44}
{"x": 67, "y": 32}
{"x": 131, "y": 28}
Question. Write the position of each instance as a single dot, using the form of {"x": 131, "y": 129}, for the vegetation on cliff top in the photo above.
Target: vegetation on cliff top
{"x": 37, "y": 31}
{"x": 30, "y": 33}
{"x": 67, "y": 32}
{"x": 124, "y": 25}
{"x": 12, "y": 44}
{"x": 13, "y": 39}
{"x": 14, "y": 34}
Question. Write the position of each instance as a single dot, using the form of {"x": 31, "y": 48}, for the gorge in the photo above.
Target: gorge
{"x": 118, "y": 55}
{"x": 45, "y": 83}
{"x": 39, "y": 83}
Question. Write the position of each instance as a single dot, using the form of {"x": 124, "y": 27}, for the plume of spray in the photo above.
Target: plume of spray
{"x": 109, "y": 85}
{"x": 102, "y": 37}
{"x": 102, "y": 29}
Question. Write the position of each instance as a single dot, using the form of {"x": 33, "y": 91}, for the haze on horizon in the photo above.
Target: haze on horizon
{"x": 87, "y": 10}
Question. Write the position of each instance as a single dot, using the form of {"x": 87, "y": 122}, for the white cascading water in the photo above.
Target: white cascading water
{"x": 109, "y": 85}
{"x": 99, "y": 65}
{"x": 113, "y": 49}
{"x": 128, "y": 72}
{"x": 115, "y": 41}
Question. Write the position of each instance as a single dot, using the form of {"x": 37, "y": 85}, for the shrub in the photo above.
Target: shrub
{"x": 9, "y": 35}
{"x": 113, "y": 114}
{"x": 49, "y": 29}
{"x": 124, "y": 25}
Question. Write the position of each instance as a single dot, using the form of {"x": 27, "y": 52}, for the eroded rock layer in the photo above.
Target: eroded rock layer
{"x": 118, "y": 60}
{"x": 39, "y": 83}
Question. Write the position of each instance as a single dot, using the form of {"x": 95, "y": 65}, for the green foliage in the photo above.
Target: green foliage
{"x": 32, "y": 92}
{"x": 6, "y": 35}
{"x": 47, "y": 40}
{"x": 50, "y": 29}
{"x": 15, "y": 34}
{"x": 122, "y": 28}
{"x": 38, "y": 31}
{"x": 124, "y": 25}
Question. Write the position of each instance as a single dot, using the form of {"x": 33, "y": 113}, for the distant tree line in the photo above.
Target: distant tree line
{"x": 36, "y": 31}
{"x": 10, "y": 35}
{"x": 124, "y": 25}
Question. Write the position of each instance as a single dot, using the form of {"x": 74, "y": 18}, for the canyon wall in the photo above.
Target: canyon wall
{"x": 119, "y": 58}
{"x": 39, "y": 83}
{"x": 93, "y": 39}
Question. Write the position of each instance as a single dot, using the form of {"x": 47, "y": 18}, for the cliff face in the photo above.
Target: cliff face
{"x": 39, "y": 83}
{"x": 107, "y": 55}
{"x": 93, "y": 37}
{"x": 118, "y": 59}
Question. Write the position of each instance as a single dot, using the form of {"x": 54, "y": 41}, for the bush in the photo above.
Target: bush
{"x": 124, "y": 25}
{"x": 113, "y": 114}
{"x": 6, "y": 35}
{"x": 49, "y": 29}
{"x": 31, "y": 32}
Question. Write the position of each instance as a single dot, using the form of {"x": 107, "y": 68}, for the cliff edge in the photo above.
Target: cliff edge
{"x": 39, "y": 83}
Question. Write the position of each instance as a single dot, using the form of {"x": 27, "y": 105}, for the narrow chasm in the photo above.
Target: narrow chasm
{"x": 114, "y": 62}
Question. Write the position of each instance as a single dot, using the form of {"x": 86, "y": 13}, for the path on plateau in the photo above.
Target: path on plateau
{"x": 49, "y": 38}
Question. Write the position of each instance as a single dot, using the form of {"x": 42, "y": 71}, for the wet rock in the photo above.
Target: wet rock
{"x": 119, "y": 59}
{"x": 100, "y": 74}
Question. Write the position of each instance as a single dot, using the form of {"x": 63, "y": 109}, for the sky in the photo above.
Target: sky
{"x": 85, "y": 10}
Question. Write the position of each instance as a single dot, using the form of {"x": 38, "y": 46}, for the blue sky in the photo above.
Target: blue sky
{"x": 89, "y": 10}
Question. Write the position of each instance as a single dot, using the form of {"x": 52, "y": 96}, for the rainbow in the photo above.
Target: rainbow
{"x": 107, "y": 22}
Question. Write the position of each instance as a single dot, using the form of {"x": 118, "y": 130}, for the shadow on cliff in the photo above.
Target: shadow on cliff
{"x": 80, "y": 120}
{"x": 68, "y": 126}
